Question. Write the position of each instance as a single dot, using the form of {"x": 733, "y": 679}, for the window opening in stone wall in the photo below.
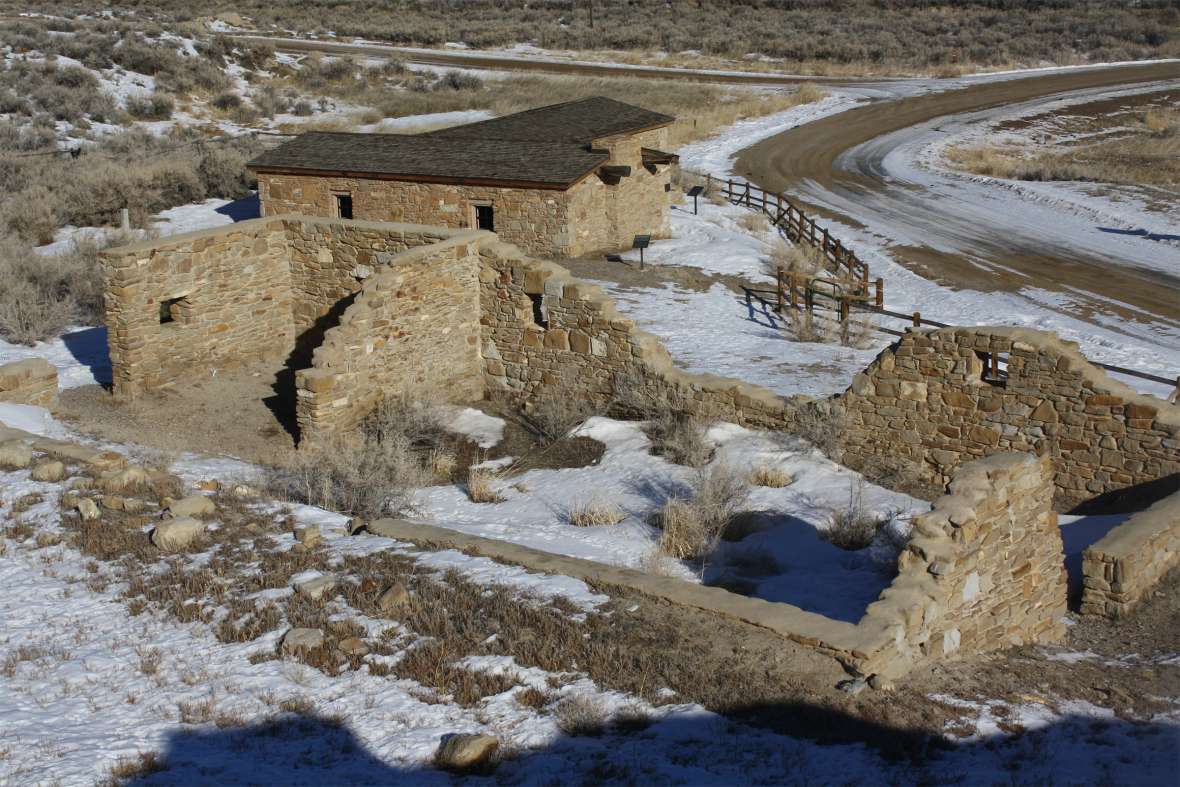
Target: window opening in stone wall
{"x": 540, "y": 314}
{"x": 995, "y": 368}
{"x": 484, "y": 218}
{"x": 344, "y": 206}
{"x": 170, "y": 310}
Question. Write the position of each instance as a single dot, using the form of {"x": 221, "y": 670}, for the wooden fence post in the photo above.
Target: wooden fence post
{"x": 795, "y": 294}
{"x": 778, "y": 287}
{"x": 880, "y": 293}
{"x": 917, "y": 319}
{"x": 826, "y": 247}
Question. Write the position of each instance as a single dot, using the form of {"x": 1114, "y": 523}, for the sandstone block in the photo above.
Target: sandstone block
{"x": 173, "y": 535}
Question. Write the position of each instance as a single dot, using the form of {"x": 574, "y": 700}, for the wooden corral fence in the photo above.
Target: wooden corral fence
{"x": 850, "y": 287}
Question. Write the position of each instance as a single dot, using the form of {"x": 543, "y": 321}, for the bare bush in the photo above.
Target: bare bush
{"x": 157, "y": 106}
{"x": 554, "y": 418}
{"x": 854, "y": 526}
{"x": 679, "y": 438}
{"x": 693, "y": 526}
{"x": 371, "y": 473}
{"x": 595, "y": 511}
{"x": 821, "y": 424}
{"x": 42, "y": 295}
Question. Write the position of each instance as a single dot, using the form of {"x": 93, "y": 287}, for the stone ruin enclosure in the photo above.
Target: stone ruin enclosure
{"x": 358, "y": 310}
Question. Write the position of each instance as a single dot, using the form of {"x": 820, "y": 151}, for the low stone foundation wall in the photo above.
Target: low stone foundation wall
{"x": 931, "y": 402}
{"x": 983, "y": 572}
{"x": 1123, "y": 567}
{"x": 31, "y": 381}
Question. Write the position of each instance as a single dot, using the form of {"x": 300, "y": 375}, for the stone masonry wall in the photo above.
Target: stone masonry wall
{"x": 583, "y": 348}
{"x": 196, "y": 301}
{"x": 534, "y": 219}
{"x": 924, "y": 403}
{"x": 1126, "y": 564}
{"x": 31, "y": 381}
{"x": 610, "y": 215}
{"x": 984, "y": 570}
{"x": 414, "y": 326}
{"x": 265, "y": 288}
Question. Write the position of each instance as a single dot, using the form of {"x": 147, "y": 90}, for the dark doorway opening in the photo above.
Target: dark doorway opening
{"x": 483, "y": 218}
{"x": 344, "y": 206}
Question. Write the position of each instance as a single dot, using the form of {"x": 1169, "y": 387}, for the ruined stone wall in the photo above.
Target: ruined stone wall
{"x": 266, "y": 288}
{"x": 534, "y": 219}
{"x": 583, "y": 348}
{"x": 984, "y": 570}
{"x": 31, "y": 381}
{"x": 1126, "y": 564}
{"x": 181, "y": 306}
{"x": 330, "y": 261}
{"x": 414, "y": 326}
{"x": 925, "y": 404}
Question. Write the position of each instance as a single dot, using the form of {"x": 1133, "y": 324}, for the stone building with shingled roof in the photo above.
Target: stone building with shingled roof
{"x": 560, "y": 180}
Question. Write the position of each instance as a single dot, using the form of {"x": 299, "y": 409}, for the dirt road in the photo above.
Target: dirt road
{"x": 958, "y": 233}
{"x": 497, "y": 62}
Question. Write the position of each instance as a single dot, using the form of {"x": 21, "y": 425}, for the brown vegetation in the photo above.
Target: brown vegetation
{"x": 1148, "y": 153}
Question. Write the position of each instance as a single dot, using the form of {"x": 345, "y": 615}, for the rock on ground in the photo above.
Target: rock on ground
{"x": 172, "y": 535}
{"x": 88, "y": 509}
{"x": 296, "y": 640}
{"x": 193, "y": 505}
{"x": 395, "y": 597}
{"x": 466, "y": 752}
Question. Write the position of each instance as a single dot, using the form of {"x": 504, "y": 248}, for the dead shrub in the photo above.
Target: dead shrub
{"x": 595, "y": 511}
{"x": 754, "y": 222}
{"x": 530, "y": 697}
{"x": 371, "y": 473}
{"x": 693, "y": 526}
{"x": 854, "y": 527}
{"x": 479, "y": 486}
{"x": 821, "y": 424}
{"x": 42, "y": 295}
{"x": 679, "y": 438}
{"x": 131, "y": 769}
{"x": 554, "y": 418}
{"x": 196, "y": 711}
{"x": 157, "y": 106}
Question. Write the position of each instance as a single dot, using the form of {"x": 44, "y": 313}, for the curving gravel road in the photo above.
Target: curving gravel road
{"x": 864, "y": 169}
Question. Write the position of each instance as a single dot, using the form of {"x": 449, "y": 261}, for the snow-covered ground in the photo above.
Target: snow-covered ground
{"x": 85, "y": 685}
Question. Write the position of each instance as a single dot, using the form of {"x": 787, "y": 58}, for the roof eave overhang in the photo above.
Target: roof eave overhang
{"x": 504, "y": 183}
{"x": 633, "y": 131}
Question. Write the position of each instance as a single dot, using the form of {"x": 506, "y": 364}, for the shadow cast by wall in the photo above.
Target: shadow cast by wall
{"x": 242, "y": 209}
{"x": 691, "y": 748}
{"x": 1139, "y": 233}
{"x": 283, "y": 402}
{"x": 89, "y": 347}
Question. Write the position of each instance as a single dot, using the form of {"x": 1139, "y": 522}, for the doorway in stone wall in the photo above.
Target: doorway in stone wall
{"x": 484, "y": 217}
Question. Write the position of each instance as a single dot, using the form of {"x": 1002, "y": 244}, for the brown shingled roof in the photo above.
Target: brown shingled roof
{"x": 547, "y": 147}
{"x": 433, "y": 159}
{"x": 574, "y": 121}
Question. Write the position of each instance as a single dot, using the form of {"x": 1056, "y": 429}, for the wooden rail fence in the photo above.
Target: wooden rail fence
{"x": 851, "y": 289}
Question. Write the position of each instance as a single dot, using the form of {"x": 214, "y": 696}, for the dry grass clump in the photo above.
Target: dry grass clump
{"x": 595, "y": 511}
{"x": 479, "y": 486}
{"x": 692, "y": 526}
{"x": 1146, "y": 154}
{"x": 581, "y": 715}
{"x": 128, "y": 770}
{"x": 771, "y": 477}
{"x": 373, "y": 472}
